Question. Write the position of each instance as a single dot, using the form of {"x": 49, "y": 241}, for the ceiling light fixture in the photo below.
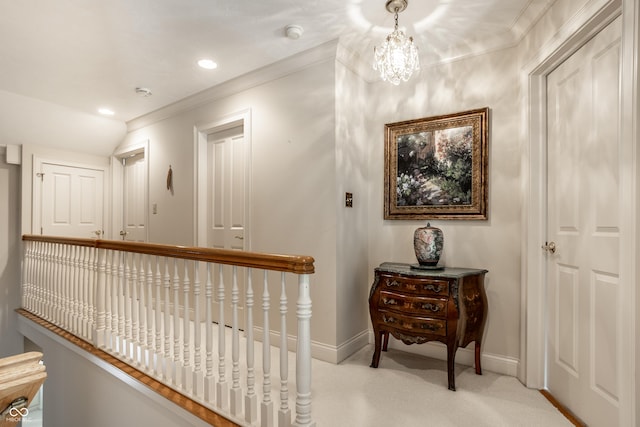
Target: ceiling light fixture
{"x": 105, "y": 111}
{"x": 207, "y": 64}
{"x": 397, "y": 58}
{"x": 294, "y": 32}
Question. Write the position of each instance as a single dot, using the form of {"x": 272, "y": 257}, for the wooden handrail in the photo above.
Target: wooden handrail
{"x": 298, "y": 264}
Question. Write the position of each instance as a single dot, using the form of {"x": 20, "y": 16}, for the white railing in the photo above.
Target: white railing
{"x": 153, "y": 306}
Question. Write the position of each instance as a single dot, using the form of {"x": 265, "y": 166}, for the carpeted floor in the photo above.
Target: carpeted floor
{"x": 409, "y": 390}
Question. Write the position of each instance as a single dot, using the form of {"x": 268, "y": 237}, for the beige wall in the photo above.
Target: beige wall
{"x": 488, "y": 80}
{"x": 293, "y": 177}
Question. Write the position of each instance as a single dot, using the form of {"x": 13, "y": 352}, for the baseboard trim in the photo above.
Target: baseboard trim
{"x": 319, "y": 350}
{"x": 465, "y": 356}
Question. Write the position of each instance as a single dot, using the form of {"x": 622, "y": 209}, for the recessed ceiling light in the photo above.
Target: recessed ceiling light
{"x": 105, "y": 111}
{"x": 207, "y": 64}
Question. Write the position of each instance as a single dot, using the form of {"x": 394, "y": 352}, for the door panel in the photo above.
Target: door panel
{"x": 72, "y": 201}
{"x": 135, "y": 198}
{"x": 583, "y": 119}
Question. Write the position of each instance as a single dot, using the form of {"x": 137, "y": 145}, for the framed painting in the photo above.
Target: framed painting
{"x": 436, "y": 167}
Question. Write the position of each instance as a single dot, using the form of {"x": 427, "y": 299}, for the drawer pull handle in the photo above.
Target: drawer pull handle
{"x": 389, "y": 319}
{"x": 390, "y": 301}
{"x": 433, "y": 288}
{"x": 433, "y": 307}
{"x": 430, "y": 326}
{"x": 393, "y": 283}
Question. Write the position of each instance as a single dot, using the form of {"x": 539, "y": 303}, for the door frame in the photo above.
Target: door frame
{"x": 200, "y": 132}
{"x": 117, "y": 186}
{"x": 596, "y": 15}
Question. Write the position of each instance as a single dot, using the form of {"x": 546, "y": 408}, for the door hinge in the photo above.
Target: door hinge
{"x": 41, "y": 231}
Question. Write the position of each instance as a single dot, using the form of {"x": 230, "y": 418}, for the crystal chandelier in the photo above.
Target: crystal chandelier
{"x": 397, "y": 58}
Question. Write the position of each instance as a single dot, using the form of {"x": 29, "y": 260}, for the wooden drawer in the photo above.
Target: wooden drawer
{"x": 410, "y": 304}
{"x": 416, "y": 325}
{"x": 422, "y": 286}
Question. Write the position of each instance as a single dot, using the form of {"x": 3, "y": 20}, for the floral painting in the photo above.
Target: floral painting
{"x": 436, "y": 167}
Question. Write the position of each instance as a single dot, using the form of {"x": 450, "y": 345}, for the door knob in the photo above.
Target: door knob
{"x": 98, "y": 233}
{"x": 549, "y": 247}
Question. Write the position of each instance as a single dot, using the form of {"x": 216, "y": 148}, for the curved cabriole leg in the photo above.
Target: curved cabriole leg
{"x": 377, "y": 346}
{"x": 451, "y": 363}
{"x": 386, "y": 341}
{"x": 478, "y": 367}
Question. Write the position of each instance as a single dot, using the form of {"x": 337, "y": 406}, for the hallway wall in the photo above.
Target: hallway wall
{"x": 10, "y": 257}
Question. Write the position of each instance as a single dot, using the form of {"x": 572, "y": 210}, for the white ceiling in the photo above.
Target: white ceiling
{"x": 85, "y": 54}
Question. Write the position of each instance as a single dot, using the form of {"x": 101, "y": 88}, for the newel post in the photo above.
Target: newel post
{"x": 303, "y": 354}
{"x": 100, "y": 296}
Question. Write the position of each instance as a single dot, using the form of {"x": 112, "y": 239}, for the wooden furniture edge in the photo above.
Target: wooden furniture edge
{"x": 186, "y": 403}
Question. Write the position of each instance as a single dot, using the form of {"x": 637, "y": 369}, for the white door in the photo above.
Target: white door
{"x": 583, "y": 102}
{"x": 226, "y": 198}
{"x": 226, "y": 202}
{"x": 71, "y": 201}
{"x": 134, "y": 206}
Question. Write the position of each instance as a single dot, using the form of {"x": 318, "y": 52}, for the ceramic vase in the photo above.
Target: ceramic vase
{"x": 428, "y": 243}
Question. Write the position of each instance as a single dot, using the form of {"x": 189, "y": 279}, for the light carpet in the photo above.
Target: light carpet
{"x": 410, "y": 390}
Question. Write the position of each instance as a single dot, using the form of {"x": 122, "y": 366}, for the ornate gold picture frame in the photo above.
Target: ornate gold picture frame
{"x": 437, "y": 167}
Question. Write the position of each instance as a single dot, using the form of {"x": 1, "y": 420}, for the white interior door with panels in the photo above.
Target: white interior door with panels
{"x": 134, "y": 198}
{"x": 130, "y": 192}
{"x": 583, "y": 229}
{"x": 68, "y": 200}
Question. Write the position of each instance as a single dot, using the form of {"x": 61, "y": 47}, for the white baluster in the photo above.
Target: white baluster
{"x": 90, "y": 298}
{"x": 84, "y": 293}
{"x": 236, "y": 392}
{"x": 132, "y": 278}
{"x": 250, "y": 399}
{"x": 100, "y": 299}
{"x": 209, "y": 380}
{"x": 284, "y": 413}
{"x": 122, "y": 259}
{"x": 126, "y": 307}
{"x": 148, "y": 358}
{"x": 187, "y": 378}
{"x": 48, "y": 285}
{"x": 39, "y": 278}
{"x": 134, "y": 310}
{"x": 76, "y": 290}
{"x": 115, "y": 298}
{"x": 67, "y": 287}
{"x": 177, "y": 378}
{"x": 158, "y": 324}
{"x": 222, "y": 389}
{"x": 108, "y": 299}
{"x": 42, "y": 279}
{"x": 266, "y": 415}
{"x": 167, "y": 324}
{"x": 303, "y": 355}
{"x": 198, "y": 377}
{"x": 138, "y": 316}
{"x": 53, "y": 278}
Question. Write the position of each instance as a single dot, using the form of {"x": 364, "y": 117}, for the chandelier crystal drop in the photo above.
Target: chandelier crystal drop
{"x": 397, "y": 58}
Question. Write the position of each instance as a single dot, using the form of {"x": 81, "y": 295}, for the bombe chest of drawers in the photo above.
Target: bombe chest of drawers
{"x": 416, "y": 306}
